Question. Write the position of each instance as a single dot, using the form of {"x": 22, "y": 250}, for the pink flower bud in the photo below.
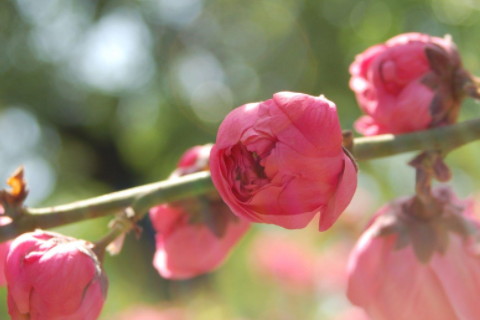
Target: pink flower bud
{"x": 194, "y": 159}
{"x": 194, "y": 236}
{"x": 51, "y": 276}
{"x": 388, "y": 279}
{"x": 185, "y": 248}
{"x": 281, "y": 161}
{"x": 410, "y": 83}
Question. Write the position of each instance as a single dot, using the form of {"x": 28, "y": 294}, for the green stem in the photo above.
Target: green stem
{"x": 146, "y": 196}
{"x": 442, "y": 138}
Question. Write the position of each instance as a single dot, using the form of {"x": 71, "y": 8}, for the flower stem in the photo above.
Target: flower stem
{"x": 443, "y": 138}
{"x": 146, "y": 196}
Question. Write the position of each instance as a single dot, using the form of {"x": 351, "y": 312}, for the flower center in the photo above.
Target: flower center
{"x": 248, "y": 174}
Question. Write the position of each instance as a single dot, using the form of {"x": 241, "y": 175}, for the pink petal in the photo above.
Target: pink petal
{"x": 345, "y": 190}
{"x": 459, "y": 273}
{"x": 315, "y": 117}
{"x": 235, "y": 124}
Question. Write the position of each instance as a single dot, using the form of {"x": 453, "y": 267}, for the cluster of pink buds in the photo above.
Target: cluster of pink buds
{"x": 419, "y": 257}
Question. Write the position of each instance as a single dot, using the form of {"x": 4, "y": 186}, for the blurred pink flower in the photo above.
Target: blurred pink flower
{"x": 388, "y": 280}
{"x": 352, "y": 313}
{"x": 194, "y": 236}
{"x": 286, "y": 261}
{"x": 298, "y": 266}
{"x": 151, "y": 313}
{"x": 331, "y": 262}
{"x": 281, "y": 161}
{"x": 54, "y": 277}
{"x": 407, "y": 84}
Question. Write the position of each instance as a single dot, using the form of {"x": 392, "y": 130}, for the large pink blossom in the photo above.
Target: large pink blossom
{"x": 53, "y": 277}
{"x": 281, "y": 161}
{"x": 388, "y": 280}
{"x": 409, "y": 83}
{"x": 194, "y": 236}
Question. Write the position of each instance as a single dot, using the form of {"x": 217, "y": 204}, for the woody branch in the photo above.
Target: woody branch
{"x": 143, "y": 197}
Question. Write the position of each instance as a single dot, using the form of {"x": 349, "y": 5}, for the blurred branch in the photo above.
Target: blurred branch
{"x": 144, "y": 197}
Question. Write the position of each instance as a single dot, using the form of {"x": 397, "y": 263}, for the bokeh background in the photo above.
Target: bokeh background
{"x": 101, "y": 95}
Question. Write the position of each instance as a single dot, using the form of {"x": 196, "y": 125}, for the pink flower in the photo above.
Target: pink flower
{"x": 4, "y": 246}
{"x": 281, "y": 161}
{"x": 141, "y": 312}
{"x": 51, "y": 276}
{"x": 352, "y": 313}
{"x": 185, "y": 249}
{"x": 194, "y": 236}
{"x": 410, "y": 83}
{"x": 285, "y": 261}
{"x": 388, "y": 280}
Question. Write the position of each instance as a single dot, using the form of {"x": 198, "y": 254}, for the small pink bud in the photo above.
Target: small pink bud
{"x": 194, "y": 159}
{"x": 194, "y": 236}
{"x": 281, "y": 161}
{"x": 54, "y": 277}
{"x": 412, "y": 82}
{"x": 405, "y": 268}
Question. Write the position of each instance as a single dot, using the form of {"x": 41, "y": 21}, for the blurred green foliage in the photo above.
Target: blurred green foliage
{"x": 96, "y": 96}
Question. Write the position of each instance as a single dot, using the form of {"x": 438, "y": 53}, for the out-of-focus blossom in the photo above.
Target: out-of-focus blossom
{"x": 288, "y": 262}
{"x": 352, "y": 313}
{"x": 411, "y": 82}
{"x": 194, "y": 236}
{"x": 281, "y": 161}
{"x": 331, "y": 262}
{"x": 298, "y": 266}
{"x": 405, "y": 267}
{"x": 54, "y": 277}
{"x": 152, "y": 313}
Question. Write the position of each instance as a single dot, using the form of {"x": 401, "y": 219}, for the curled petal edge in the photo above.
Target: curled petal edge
{"x": 345, "y": 190}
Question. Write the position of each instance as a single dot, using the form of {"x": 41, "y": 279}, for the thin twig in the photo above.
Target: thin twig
{"x": 147, "y": 195}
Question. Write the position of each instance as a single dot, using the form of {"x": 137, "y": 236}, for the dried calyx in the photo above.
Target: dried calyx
{"x": 12, "y": 200}
{"x": 426, "y": 226}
